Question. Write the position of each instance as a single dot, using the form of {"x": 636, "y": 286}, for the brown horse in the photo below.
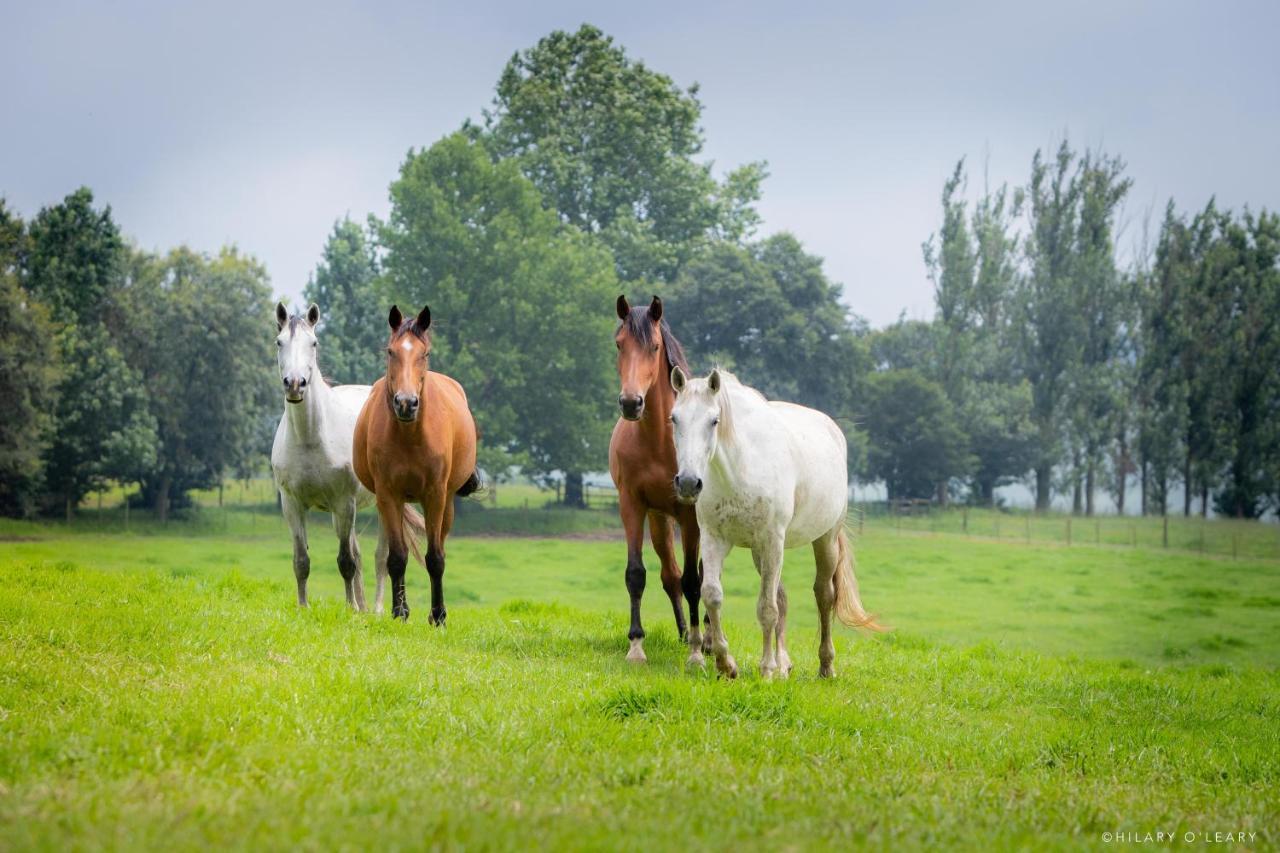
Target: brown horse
{"x": 415, "y": 440}
{"x": 642, "y": 460}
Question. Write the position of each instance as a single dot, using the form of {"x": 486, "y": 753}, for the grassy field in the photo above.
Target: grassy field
{"x": 159, "y": 689}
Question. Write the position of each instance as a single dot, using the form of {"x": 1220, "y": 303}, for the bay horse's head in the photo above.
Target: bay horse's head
{"x": 296, "y": 350}
{"x": 408, "y": 357}
{"x": 646, "y": 353}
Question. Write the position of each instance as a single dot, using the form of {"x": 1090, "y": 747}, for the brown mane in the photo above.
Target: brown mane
{"x": 640, "y": 326}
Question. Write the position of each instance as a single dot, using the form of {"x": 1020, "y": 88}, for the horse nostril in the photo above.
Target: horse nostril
{"x": 302, "y": 383}
{"x": 698, "y": 486}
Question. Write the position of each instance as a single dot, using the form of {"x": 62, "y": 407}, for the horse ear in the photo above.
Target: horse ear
{"x": 713, "y": 381}
{"x": 394, "y": 319}
{"x": 282, "y": 316}
{"x": 624, "y": 307}
{"x": 655, "y": 309}
{"x": 423, "y": 322}
{"x": 313, "y": 314}
{"x": 678, "y": 379}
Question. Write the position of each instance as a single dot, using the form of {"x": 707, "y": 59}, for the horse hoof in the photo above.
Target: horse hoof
{"x": 437, "y": 619}
{"x": 636, "y": 654}
{"x": 728, "y": 667}
{"x": 826, "y": 671}
{"x": 696, "y": 659}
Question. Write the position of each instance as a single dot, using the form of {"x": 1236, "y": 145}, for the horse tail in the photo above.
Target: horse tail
{"x": 415, "y": 529}
{"x": 849, "y": 609}
{"x": 474, "y": 486}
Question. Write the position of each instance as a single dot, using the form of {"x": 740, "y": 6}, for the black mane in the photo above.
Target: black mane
{"x": 640, "y": 326}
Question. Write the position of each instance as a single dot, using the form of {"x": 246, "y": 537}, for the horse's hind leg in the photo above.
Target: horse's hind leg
{"x": 296, "y": 515}
{"x": 768, "y": 559}
{"x": 784, "y": 659}
{"x": 826, "y": 555}
{"x": 438, "y": 516}
{"x": 380, "y": 569}
{"x": 344, "y": 523}
{"x": 663, "y": 538}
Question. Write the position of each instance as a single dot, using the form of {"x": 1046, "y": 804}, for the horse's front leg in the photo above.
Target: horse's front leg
{"x": 344, "y": 524}
{"x": 714, "y": 552}
{"x": 437, "y": 514}
{"x": 391, "y": 513}
{"x": 296, "y": 515}
{"x": 632, "y": 512}
{"x": 380, "y": 569}
{"x": 768, "y": 559}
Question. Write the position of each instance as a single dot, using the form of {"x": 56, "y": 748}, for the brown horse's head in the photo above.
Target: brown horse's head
{"x": 646, "y": 353}
{"x": 408, "y": 354}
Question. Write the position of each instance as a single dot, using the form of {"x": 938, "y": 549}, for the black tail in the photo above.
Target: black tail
{"x": 471, "y": 486}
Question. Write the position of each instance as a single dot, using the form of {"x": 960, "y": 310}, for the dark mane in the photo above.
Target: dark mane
{"x": 640, "y": 326}
{"x": 410, "y": 326}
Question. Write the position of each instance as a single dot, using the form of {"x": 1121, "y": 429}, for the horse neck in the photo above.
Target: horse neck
{"x": 655, "y": 424}
{"x": 307, "y": 419}
{"x": 729, "y": 460}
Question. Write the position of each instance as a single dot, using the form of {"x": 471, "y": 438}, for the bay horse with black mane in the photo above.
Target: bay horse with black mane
{"x": 642, "y": 461}
{"x": 415, "y": 440}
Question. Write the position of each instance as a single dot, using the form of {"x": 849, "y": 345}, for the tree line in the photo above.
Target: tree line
{"x": 1046, "y": 360}
{"x": 1050, "y": 360}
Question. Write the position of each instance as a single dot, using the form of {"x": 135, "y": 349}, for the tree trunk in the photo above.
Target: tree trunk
{"x": 1043, "y": 471}
{"x": 68, "y": 508}
{"x": 573, "y": 490}
{"x": 1146, "y": 483}
{"x": 1204, "y": 500}
{"x": 1123, "y": 473}
{"x": 942, "y": 493}
{"x": 162, "y": 499}
{"x": 1186, "y": 486}
{"x": 1077, "y": 499}
{"x": 1088, "y": 489}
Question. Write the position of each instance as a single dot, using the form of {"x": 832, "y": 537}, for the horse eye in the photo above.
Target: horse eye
{"x": 313, "y": 343}
{"x": 279, "y": 342}
{"x": 715, "y": 421}
{"x": 655, "y": 348}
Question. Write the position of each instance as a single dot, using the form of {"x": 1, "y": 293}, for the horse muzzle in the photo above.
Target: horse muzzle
{"x": 632, "y": 406}
{"x": 295, "y": 388}
{"x": 405, "y": 407}
{"x": 688, "y": 487}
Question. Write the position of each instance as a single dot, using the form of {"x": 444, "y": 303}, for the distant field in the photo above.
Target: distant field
{"x": 163, "y": 690}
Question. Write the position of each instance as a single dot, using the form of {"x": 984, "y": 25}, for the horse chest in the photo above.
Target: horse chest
{"x": 741, "y": 517}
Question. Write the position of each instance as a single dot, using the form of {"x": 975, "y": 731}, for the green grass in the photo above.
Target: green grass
{"x": 163, "y": 691}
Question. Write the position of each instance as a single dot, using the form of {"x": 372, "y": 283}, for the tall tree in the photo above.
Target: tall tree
{"x": 29, "y": 372}
{"x": 101, "y": 427}
{"x": 612, "y": 147}
{"x": 521, "y": 305}
{"x": 1103, "y": 307}
{"x": 351, "y": 310}
{"x": 1047, "y": 323}
{"x": 199, "y": 330}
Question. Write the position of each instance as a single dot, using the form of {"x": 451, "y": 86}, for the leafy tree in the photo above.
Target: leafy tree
{"x": 199, "y": 330}
{"x": 915, "y": 441}
{"x": 101, "y": 427}
{"x": 521, "y": 306}
{"x": 611, "y": 145}
{"x": 351, "y": 309}
{"x": 1103, "y": 303}
{"x": 1047, "y": 322}
{"x": 74, "y": 259}
{"x": 29, "y": 372}
{"x": 1246, "y": 267}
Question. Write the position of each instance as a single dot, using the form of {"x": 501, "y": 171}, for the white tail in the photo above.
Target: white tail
{"x": 849, "y": 609}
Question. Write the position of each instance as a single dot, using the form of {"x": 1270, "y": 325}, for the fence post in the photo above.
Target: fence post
{"x": 966, "y": 519}
{"x": 1028, "y": 529}
{"x": 1165, "y": 535}
{"x": 862, "y": 517}
{"x": 1068, "y": 531}
{"x": 1097, "y": 531}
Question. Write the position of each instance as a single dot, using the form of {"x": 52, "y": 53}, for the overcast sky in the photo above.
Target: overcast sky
{"x": 260, "y": 123}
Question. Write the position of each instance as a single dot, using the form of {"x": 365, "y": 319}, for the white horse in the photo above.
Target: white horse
{"x": 311, "y": 457}
{"x": 767, "y": 476}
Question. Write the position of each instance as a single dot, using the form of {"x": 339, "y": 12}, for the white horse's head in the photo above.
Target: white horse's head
{"x": 296, "y": 351}
{"x": 695, "y": 418}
